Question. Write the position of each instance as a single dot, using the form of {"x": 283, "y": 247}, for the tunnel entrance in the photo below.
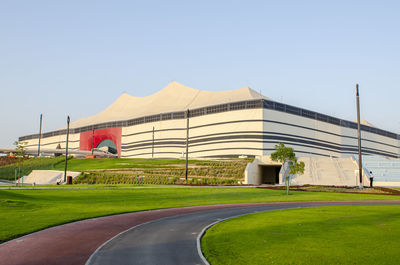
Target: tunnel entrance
{"x": 108, "y": 145}
{"x": 270, "y": 174}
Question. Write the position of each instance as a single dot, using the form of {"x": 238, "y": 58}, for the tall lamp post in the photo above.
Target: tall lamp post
{"x": 40, "y": 134}
{"x": 359, "y": 138}
{"x": 187, "y": 145}
{"x": 66, "y": 151}
{"x": 152, "y": 145}
{"x": 92, "y": 140}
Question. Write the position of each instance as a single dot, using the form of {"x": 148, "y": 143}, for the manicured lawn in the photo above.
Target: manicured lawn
{"x": 116, "y": 163}
{"x": 25, "y": 211}
{"x": 323, "y": 235}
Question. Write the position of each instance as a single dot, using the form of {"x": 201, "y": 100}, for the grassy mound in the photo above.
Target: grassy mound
{"x": 138, "y": 171}
{"x": 27, "y": 165}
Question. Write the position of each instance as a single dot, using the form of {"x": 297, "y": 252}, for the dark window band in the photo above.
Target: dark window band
{"x": 258, "y": 139}
{"x": 265, "y": 132}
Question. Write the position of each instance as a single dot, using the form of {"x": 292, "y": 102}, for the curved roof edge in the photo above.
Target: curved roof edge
{"x": 172, "y": 98}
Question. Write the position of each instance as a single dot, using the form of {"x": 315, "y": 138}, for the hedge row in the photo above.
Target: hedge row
{"x": 232, "y": 172}
{"x": 108, "y": 178}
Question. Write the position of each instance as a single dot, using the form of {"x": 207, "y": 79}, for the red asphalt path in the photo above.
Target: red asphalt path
{"x": 73, "y": 243}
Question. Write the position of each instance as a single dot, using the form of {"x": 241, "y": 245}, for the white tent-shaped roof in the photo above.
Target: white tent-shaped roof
{"x": 174, "y": 97}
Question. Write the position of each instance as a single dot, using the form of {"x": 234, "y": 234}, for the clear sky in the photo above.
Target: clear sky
{"x": 75, "y": 58}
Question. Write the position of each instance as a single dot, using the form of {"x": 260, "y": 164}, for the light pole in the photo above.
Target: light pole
{"x": 187, "y": 145}
{"x": 92, "y": 139}
{"x": 66, "y": 151}
{"x": 152, "y": 145}
{"x": 40, "y": 134}
{"x": 359, "y": 138}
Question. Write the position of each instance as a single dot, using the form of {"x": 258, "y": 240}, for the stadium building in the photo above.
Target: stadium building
{"x": 233, "y": 123}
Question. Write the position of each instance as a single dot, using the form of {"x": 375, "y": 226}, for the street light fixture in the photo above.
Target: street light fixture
{"x": 40, "y": 134}
{"x": 66, "y": 151}
{"x": 359, "y": 138}
{"x": 187, "y": 145}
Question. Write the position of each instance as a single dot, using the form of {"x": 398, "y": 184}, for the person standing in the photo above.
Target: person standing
{"x": 371, "y": 179}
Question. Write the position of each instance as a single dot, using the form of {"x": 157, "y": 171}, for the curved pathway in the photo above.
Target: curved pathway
{"x": 74, "y": 243}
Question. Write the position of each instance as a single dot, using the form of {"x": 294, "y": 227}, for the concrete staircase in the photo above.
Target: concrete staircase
{"x": 328, "y": 171}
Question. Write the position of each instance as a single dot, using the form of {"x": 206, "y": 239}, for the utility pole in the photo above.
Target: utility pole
{"x": 152, "y": 145}
{"x": 66, "y": 151}
{"x": 40, "y": 134}
{"x": 187, "y": 144}
{"x": 92, "y": 139}
{"x": 359, "y": 138}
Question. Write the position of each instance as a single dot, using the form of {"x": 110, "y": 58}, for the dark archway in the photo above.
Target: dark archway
{"x": 270, "y": 174}
{"x": 112, "y": 148}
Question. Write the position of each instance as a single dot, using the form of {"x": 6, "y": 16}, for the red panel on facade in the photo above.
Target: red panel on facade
{"x": 113, "y": 134}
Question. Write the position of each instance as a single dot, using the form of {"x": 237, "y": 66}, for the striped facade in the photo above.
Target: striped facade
{"x": 249, "y": 127}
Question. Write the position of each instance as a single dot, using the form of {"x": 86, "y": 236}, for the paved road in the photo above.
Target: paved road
{"x": 174, "y": 240}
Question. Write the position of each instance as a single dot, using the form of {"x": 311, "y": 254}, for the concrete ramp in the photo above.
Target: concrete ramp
{"x": 48, "y": 176}
{"x": 329, "y": 171}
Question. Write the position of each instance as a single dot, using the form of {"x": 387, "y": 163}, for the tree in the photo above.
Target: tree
{"x": 21, "y": 154}
{"x": 20, "y": 149}
{"x": 284, "y": 155}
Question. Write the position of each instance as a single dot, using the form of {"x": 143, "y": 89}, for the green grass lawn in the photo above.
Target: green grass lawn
{"x": 323, "y": 235}
{"x": 118, "y": 163}
{"x": 25, "y": 211}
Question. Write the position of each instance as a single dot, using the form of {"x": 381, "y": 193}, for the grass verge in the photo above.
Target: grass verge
{"x": 323, "y": 235}
{"x": 26, "y": 211}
